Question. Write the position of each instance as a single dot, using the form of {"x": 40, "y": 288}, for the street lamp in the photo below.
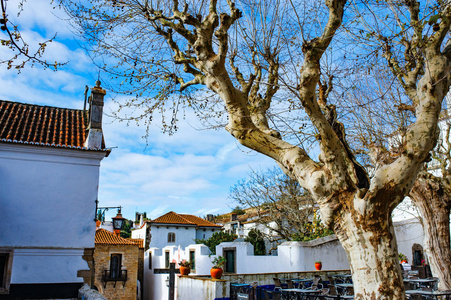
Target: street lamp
{"x": 118, "y": 222}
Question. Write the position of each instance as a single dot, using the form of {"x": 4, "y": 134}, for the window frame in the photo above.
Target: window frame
{"x": 119, "y": 266}
{"x": 171, "y": 237}
{"x": 192, "y": 259}
{"x": 7, "y": 270}
{"x": 167, "y": 259}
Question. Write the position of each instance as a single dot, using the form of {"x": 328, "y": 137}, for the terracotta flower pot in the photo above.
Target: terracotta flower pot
{"x": 184, "y": 270}
{"x": 216, "y": 273}
{"x": 318, "y": 266}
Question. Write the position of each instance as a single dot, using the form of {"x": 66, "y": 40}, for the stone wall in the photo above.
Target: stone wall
{"x": 117, "y": 290}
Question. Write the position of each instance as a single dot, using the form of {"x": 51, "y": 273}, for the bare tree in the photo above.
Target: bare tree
{"x": 19, "y": 47}
{"x": 431, "y": 194}
{"x": 282, "y": 206}
{"x": 247, "y": 61}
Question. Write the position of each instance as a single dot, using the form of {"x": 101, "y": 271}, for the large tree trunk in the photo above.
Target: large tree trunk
{"x": 434, "y": 204}
{"x": 370, "y": 244}
{"x": 372, "y": 253}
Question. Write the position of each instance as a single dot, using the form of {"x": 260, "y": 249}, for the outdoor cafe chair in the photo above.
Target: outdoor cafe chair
{"x": 272, "y": 295}
{"x": 277, "y": 283}
{"x": 290, "y": 284}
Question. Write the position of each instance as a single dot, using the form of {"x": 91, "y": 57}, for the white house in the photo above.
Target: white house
{"x": 49, "y": 174}
{"x": 172, "y": 229}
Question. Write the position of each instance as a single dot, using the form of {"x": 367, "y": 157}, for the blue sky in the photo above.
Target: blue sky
{"x": 189, "y": 172}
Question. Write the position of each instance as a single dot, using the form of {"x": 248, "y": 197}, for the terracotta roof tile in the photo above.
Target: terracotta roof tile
{"x": 139, "y": 242}
{"x": 105, "y": 237}
{"x": 42, "y": 125}
{"x": 199, "y": 221}
{"x": 182, "y": 219}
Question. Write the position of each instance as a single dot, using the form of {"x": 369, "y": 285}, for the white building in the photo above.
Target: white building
{"x": 49, "y": 173}
{"x": 172, "y": 229}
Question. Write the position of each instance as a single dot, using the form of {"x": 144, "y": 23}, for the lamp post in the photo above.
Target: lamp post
{"x": 118, "y": 222}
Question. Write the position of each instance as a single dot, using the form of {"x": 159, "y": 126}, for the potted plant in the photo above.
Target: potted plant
{"x": 216, "y": 270}
{"x": 318, "y": 265}
{"x": 402, "y": 258}
{"x": 185, "y": 267}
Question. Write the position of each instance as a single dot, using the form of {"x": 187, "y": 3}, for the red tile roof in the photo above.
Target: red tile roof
{"x": 139, "y": 242}
{"x": 105, "y": 237}
{"x": 42, "y": 125}
{"x": 182, "y": 219}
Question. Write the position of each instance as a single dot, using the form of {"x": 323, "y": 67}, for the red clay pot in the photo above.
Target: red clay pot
{"x": 216, "y": 273}
{"x": 184, "y": 270}
{"x": 318, "y": 266}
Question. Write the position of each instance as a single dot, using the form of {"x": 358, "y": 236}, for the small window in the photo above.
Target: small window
{"x": 3, "y": 264}
{"x": 115, "y": 266}
{"x": 171, "y": 237}
{"x": 150, "y": 260}
{"x": 166, "y": 259}
{"x": 5, "y": 270}
{"x": 192, "y": 259}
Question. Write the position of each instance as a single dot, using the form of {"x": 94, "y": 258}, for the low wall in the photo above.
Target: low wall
{"x": 267, "y": 278}
{"x": 198, "y": 288}
{"x": 205, "y": 288}
{"x": 86, "y": 293}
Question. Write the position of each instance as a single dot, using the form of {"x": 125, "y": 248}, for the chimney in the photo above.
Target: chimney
{"x": 210, "y": 217}
{"x": 95, "y": 135}
{"x": 141, "y": 220}
{"x": 233, "y": 217}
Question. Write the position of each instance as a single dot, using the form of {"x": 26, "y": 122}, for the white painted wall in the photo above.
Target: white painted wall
{"x": 201, "y": 289}
{"x": 292, "y": 257}
{"x": 47, "y": 197}
{"x": 184, "y": 235}
{"x": 139, "y": 233}
{"x": 408, "y": 232}
{"x": 47, "y": 265}
{"x": 205, "y": 233}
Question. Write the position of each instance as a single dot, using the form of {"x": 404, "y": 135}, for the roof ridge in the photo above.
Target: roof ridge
{"x": 182, "y": 216}
{"x": 32, "y": 104}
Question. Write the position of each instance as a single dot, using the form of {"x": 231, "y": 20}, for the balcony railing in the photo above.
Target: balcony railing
{"x": 114, "y": 276}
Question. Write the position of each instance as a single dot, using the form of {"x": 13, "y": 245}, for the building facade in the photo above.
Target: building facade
{"x": 50, "y": 160}
{"x": 116, "y": 265}
{"x": 172, "y": 229}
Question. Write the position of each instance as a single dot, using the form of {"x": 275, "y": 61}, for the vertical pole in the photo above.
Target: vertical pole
{"x": 171, "y": 281}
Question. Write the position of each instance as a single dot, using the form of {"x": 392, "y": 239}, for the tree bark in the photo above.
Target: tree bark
{"x": 433, "y": 200}
{"x": 372, "y": 254}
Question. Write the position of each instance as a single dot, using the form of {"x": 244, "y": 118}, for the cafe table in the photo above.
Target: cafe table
{"x": 300, "y": 292}
{"x": 428, "y": 282}
{"x": 302, "y": 281}
{"x": 442, "y": 295}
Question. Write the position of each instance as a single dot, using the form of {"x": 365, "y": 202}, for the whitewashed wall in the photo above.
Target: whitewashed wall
{"x": 408, "y": 232}
{"x": 184, "y": 235}
{"x": 292, "y": 257}
{"x": 139, "y": 233}
{"x": 47, "y": 200}
{"x": 205, "y": 233}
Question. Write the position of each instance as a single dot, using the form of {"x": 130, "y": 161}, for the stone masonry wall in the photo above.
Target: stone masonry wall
{"x": 130, "y": 256}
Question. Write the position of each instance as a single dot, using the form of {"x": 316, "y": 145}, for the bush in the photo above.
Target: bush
{"x": 255, "y": 237}
{"x": 216, "y": 239}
